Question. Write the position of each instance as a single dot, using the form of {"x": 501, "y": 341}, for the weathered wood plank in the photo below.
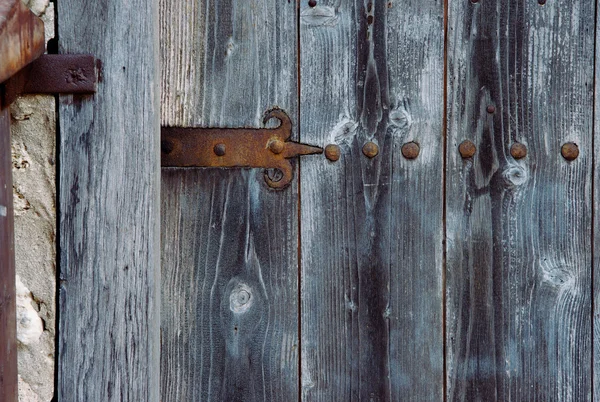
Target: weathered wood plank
{"x": 8, "y": 313}
{"x": 108, "y": 348}
{"x": 372, "y": 229}
{"x": 229, "y": 243}
{"x": 21, "y": 37}
{"x": 519, "y": 231}
{"x": 596, "y": 222}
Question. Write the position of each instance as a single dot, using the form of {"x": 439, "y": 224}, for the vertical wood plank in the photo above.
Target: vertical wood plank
{"x": 372, "y": 228}
{"x": 8, "y": 313}
{"x": 596, "y": 222}
{"x": 229, "y": 319}
{"x": 109, "y": 206}
{"x": 519, "y": 230}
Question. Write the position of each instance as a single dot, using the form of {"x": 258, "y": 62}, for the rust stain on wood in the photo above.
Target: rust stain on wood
{"x": 21, "y": 37}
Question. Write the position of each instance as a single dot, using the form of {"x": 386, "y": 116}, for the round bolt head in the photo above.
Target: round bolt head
{"x": 491, "y": 109}
{"x": 410, "y": 150}
{"x": 467, "y": 149}
{"x": 518, "y": 150}
{"x": 312, "y": 3}
{"x": 370, "y": 149}
{"x": 570, "y": 151}
{"x": 219, "y": 149}
{"x": 276, "y": 146}
{"x": 332, "y": 152}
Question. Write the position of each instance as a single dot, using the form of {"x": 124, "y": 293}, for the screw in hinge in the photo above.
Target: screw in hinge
{"x": 167, "y": 146}
{"x": 276, "y": 146}
{"x": 219, "y": 149}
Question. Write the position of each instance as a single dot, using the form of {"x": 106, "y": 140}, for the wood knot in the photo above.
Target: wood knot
{"x": 240, "y": 299}
{"x": 514, "y": 176}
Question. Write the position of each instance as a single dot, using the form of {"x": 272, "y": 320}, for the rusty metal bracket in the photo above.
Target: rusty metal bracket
{"x": 52, "y": 74}
{"x": 236, "y": 147}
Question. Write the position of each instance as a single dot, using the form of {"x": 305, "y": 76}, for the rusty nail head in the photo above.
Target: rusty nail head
{"x": 370, "y": 149}
{"x": 570, "y": 151}
{"x": 467, "y": 149}
{"x": 518, "y": 150}
{"x": 332, "y": 152}
{"x": 410, "y": 150}
{"x": 312, "y": 3}
{"x": 491, "y": 109}
{"x": 219, "y": 149}
{"x": 276, "y": 146}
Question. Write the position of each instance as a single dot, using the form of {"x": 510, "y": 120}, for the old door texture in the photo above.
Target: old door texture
{"x": 442, "y": 247}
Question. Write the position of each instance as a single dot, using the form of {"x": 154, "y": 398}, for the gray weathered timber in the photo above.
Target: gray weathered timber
{"x": 8, "y": 313}
{"x": 229, "y": 315}
{"x": 108, "y": 348}
{"x": 596, "y": 223}
{"x": 519, "y": 231}
{"x": 372, "y": 229}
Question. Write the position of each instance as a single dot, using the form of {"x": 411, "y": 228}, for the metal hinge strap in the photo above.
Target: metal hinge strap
{"x": 236, "y": 147}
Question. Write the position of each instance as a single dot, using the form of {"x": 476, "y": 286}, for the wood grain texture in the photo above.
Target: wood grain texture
{"x": 519, "y": 231}
{"x": 372, "y": 228}
{"x": 108, "y": 347}
{"x": 21, "y": 37}
{"x": 8, "y": 313}
{"x": 596, "y": 222}
{"x": 229, "y": 319}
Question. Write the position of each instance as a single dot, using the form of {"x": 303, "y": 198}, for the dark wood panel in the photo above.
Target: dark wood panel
{"x": 108, "y": 333}
{"x": 229, "y": 313}
{"x": 519, "y": 230}
{"x": 372, "y": 228}
{"x": 8, "y": 313}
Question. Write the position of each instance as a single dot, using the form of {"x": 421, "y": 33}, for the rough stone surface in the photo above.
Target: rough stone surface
{"x": 29, "y": 323}
{"x": 33, "y": 153}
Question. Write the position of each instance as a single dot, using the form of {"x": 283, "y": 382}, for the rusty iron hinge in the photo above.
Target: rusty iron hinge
{"x": 236, "y": 147}
{"x": 53, "y": 74}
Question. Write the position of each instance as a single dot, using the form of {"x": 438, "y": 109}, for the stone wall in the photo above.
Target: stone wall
{"x": 34, "y": 174}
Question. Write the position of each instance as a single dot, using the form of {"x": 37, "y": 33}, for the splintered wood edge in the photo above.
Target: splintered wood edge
{"x": 21, "y": 37}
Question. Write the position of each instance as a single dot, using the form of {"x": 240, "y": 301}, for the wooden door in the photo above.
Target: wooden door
{"x": 371, "y": 228}
{"x": 230, "y": 306}
{"x": 416, "y": 272}
{"x": 518, "y": 230}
